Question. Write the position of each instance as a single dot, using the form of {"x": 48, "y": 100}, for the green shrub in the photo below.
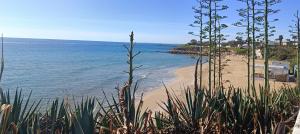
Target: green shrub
{"x": 241, "y": 51}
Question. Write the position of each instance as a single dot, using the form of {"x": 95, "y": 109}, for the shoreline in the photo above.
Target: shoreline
{"x": 182, "y": 79}
{"x": 234, "y": 74}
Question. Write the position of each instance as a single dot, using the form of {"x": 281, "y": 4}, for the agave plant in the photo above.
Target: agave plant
{"x": 184, "y": 116}
{"x": 17, "y": 116}
{"x": 84, "y": 117}
{"x": 231, "y": 110}
{"x": 56, "y": 119}
{"x": 124, "y": 115}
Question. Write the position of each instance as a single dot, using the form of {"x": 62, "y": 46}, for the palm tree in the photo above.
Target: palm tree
{"x": 280, "y": 40}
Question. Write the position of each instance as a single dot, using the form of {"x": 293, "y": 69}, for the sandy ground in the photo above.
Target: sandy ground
{"x": 234, "y": 74}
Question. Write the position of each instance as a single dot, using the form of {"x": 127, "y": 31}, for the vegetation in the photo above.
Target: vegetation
{"x": 280, "y": 38}
{"x": 199, "y": 23}
{"x": 241, "y": 51}
{"x": 268, "y": 31}
{"x": 283, "y": 53}
{"x": 190, "y": 50}
{"x": 230, "y": 111}
{"x": 295, "y": 32}
{"x": 210, "y": 22}
{"x": 199, "y": 110}
{"x": 255, "y": 21}
{"x": 245, "y": 14}
{"x": 218, "y": 37}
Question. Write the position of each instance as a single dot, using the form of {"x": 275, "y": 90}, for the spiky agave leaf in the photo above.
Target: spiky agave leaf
{"x": 172, "y": 107}
{"x": 84, "y": 116}
{"x": 123, "y": 115}
{"x": 20, "y": 113}
{"x": 55, "y": 119}
{"x": 4, "y": 118}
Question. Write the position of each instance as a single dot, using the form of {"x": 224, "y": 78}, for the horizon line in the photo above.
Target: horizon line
{"x": 89, "y": 40}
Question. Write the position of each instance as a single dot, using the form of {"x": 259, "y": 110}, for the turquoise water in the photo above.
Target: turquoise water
{"x": 58, "y": 68}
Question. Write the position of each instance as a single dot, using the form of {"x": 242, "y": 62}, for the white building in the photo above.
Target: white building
{"x": 258, "y": 53}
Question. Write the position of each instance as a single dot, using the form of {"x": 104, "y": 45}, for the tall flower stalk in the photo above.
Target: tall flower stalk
{"x": 253, "y": 3}
{"x": 244, "y": 13}
{"x": 298, "y": 56}
{"x": 2, "y": 58}
{"x": 266, "y": 46}
{"x": 198, "y": 23}
{"x": 295, "y": 32}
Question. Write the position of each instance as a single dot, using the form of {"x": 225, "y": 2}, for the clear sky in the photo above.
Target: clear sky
{"x": 163, "y": 21}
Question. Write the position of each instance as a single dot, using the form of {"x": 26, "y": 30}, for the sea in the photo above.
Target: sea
{"x": 59, "y": 68}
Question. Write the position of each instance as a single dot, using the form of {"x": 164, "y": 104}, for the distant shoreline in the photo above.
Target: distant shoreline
{"x": 189, "y": 50}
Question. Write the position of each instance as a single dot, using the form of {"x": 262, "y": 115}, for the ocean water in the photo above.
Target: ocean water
{"x": 58, "y": 68}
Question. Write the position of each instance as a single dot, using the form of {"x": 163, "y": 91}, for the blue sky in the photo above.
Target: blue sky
{"x": 162, "y": 21}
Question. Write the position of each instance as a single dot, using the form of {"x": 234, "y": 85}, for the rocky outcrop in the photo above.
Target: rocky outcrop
{"x": 187, "y": 49}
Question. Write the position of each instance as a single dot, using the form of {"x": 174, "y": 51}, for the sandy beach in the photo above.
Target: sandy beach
{"x": 234, "y": 74}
